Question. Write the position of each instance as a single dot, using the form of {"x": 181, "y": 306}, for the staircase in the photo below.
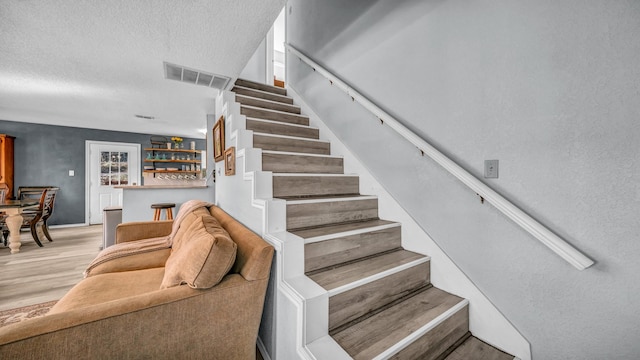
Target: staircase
{"x": 381, "y": 302}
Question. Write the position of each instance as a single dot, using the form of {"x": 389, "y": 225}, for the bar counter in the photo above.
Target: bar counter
{"x": 137, "y": 200}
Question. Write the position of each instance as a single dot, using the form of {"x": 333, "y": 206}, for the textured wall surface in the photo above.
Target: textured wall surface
{"x": 44, "y": 154}
{"x": 550, "y": 88}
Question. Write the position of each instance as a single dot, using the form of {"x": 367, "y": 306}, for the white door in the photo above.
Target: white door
{"x": 110, "y": 165}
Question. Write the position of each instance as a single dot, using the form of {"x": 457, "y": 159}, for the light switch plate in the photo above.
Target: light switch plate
{"x": 491, "y": 169}
{"x": 72, "y": 173}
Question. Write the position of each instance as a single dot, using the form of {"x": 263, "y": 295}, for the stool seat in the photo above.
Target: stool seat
{"x": 159, "y": 206}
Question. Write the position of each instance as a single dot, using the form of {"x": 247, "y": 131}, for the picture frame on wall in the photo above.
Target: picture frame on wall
{"x": 218, "y": 140}
{"x": 230, "y": 161}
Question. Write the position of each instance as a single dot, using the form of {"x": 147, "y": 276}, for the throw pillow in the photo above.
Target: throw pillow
{"x": 203, "y": 258}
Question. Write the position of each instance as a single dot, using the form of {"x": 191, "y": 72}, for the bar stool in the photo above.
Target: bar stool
{"x": 159, "y": 207}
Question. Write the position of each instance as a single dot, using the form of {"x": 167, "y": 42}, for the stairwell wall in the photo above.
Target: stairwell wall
{"x": 550, "y": 89}
{"x": 256, "y": 68}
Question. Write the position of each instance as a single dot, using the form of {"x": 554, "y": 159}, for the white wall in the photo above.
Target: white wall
{"x": 547, "y": 87}
{"x": 256, "y": 70}
{"x": 278, "y": 46}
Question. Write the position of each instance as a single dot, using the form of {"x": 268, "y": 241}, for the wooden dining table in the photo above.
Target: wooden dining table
{"x": 14, "y": 209}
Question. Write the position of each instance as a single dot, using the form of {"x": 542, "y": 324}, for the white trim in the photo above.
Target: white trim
{"x": 62, "y": 226}
{"x": 539, "y": 231}
{"x": 400, "y": 345}
{"x": 300, "y": 154}
{"x": 377, "y": 276}
{"x": 262, "y": 349}
{"x": 313, "y": 175}
{"x": 315, "y": 239}
{"x": 289, "y": 137}
{"x": 332, "y": 199}
{"x": 280, "y": 123}
{"x": 268, "y": 48}
{"x": 274, "y": 111}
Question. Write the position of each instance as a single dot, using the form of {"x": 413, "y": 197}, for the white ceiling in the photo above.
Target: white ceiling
{"x": 96, "y": 64}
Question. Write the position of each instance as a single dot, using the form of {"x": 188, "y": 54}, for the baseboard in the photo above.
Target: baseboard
{"x": 61, "y": 226}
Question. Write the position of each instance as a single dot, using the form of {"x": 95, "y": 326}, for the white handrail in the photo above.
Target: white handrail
{"x": 539, "y": 231}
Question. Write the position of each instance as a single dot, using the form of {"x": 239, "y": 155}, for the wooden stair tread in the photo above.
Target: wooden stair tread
{"x": 372, "y": 336}
{"x": 295, "y": 184}
{"x": 340, "y": 275}
{"x": 280, "y": 128}
{"x": 290, "y": 144}
{"x": 261, "y": 86}
{"x": 275, "y": 115}
{"x": 340, "y": 228}
{"x": 282, "y": 162}
{"x": 262, "y": 94}
{"x": 267, "y": 104}
{"x": 476, "y": 349}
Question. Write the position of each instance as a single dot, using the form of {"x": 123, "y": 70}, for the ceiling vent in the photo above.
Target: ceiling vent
{"x": 195, "y": 77}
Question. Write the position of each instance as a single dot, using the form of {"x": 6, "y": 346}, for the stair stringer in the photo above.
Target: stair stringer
{"x": 300, "y": 305}
{"x": 485, "y": 320}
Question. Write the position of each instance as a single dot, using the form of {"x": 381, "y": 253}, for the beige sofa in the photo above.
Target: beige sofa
{"x": 159, "y": 303}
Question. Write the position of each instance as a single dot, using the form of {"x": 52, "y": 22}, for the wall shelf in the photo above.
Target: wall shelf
{"x": 188, "y": 163}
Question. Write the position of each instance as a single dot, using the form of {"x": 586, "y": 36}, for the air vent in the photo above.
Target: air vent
{"x": 195, "y": 77}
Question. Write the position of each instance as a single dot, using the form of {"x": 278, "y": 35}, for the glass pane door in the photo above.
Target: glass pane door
{"x": 114, "y": 168}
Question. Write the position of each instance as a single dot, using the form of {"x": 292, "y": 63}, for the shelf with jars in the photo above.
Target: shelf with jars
{"x": 185, "y": 161}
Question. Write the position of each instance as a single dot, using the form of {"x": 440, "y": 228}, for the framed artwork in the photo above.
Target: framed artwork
{"x": 218, "y": 140}
{"x": 230, "y": 161}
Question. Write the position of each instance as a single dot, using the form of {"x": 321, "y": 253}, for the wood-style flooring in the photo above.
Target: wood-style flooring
{"x": 40, "y": 274}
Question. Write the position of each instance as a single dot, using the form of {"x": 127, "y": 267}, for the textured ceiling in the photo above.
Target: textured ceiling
{"x": 96, "y": 64}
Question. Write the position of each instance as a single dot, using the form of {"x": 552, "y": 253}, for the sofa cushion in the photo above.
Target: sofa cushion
{"x": 202, "y": 257}
{"x": 107, "y": 287}
{"x": 186, "y": 223}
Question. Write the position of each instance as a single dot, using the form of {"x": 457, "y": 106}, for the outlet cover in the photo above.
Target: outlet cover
{"x": 491, "y": 169}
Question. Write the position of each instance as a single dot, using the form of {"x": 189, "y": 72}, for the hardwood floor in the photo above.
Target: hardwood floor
{"x": 39, "y": 274}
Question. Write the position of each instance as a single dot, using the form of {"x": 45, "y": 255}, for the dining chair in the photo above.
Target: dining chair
{"x": 39, "y": 216}
{"x": 3, "y": 217}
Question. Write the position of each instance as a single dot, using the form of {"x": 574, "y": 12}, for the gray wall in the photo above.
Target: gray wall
{"x": 44, "y": 154}
{"x": 550, "y": 88}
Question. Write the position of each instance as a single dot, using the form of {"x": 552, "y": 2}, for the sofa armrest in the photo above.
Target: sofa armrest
{"x": 139, "y": 230}
{"x": 179, "y": 322}
{"x": 136, "y": 261}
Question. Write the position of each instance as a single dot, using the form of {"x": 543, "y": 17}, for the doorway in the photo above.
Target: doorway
{"x": 109, "y": 164}
{"x": 277, "y": 51}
